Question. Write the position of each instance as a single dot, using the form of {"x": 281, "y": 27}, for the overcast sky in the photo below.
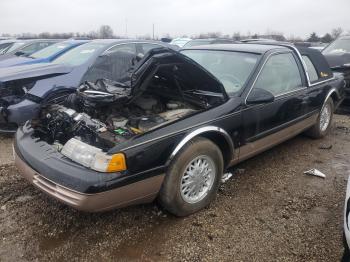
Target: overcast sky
{"x": 176, "y": 17}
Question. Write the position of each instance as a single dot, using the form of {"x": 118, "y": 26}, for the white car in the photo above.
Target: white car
{"x": 180, "y": 42}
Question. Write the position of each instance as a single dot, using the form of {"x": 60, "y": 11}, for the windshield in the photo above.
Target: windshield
{"x": 338, "y": 46}
{"x": 15, "y": 46}
{"x": 79, "y": 55}
{"x": 197, "y": 43}
{"x": 231, "y": 68}
{"x": 4, "y": 47}
{"x": 49, "y": 51}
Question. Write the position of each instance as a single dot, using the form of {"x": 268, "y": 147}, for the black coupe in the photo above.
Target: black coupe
{"x": 177, "y": 122}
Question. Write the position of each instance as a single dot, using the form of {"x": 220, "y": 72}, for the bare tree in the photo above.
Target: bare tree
{"x": 327, "y": 38}
{"x": 105, "y": 31}
{"x": 336, "y": 32}
{"x": 313, "y": 37}
{"x": 237, "y": 36}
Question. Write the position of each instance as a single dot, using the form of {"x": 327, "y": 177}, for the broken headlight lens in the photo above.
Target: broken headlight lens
{"x": 93, "y": 157}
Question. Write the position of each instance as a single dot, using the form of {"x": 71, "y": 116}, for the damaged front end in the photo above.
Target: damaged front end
{"x": 164, "y": 88}
{"x": 12, "y": 92}
{"x": 15, "y": 86}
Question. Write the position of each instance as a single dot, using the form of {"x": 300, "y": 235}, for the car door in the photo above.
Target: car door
{"x": 269, "y": 123}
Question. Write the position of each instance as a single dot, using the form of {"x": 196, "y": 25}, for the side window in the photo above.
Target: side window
{"x": 146, "y": 47}
{"x": 43, "y": 45}
{"x": 127, "y": 48}
{"x": 311, "y": 69}
{"x": 280, "y": 75}
{"x": 4, "y": 47}
{"x": 29, "y": 49}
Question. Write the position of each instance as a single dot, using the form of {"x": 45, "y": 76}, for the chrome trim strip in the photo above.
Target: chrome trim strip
{"x": 106, "y": 51}
{"x": 182, "y": 130}
{"x": 290, "y": 92}
{"x": 197, "y": 132}
{"x": 306, "y": 72}
{"x": 321, "y": 82}
{"x": 333, "y": 90}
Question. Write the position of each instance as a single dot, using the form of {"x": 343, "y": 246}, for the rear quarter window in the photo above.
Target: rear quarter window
{"x": 311, "y": 69}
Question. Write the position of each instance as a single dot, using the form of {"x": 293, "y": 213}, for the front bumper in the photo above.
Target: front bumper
{"x": 140, "y": 192}
{"x": 75, "y": 185}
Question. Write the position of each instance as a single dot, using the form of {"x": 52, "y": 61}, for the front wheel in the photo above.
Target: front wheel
{"x": 324, "y": 121}
{"x": 193, "y": 178}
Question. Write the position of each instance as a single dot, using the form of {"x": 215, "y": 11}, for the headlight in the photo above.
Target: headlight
{"x": 93, "y": 157}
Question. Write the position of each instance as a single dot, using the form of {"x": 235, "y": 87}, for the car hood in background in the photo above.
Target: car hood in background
{"x": 15, "y": 61}
{"x": 337, "y": 60}
{"x": 33, "y": 71}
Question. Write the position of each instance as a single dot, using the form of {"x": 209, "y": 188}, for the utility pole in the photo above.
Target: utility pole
{"x": 126, "y": 28}
{"x": 153, "y": 30}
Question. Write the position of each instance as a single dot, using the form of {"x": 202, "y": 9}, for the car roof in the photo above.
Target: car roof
{"x": 345, "y": 37}
{"x": 75, "y": 41}
{"x": 107, "y": 43}
{"x": 249, "y": 48}
{"x": 112, "y": 41}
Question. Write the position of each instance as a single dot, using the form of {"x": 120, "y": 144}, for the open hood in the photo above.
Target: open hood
{"x": 32, "y": 71}
{"x": 163, "y": 64}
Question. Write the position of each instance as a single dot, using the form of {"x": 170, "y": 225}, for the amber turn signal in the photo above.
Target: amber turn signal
{"x": 117, "y": 163}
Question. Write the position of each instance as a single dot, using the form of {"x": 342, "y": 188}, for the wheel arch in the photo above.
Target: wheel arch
{"x": 216, "y": 134}
{"x": 332, "y": 93}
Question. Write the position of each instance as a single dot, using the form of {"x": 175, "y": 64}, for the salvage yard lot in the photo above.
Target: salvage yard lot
{"x": 268, "y": 211}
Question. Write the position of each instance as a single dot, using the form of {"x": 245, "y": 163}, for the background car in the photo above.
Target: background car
{"x": 45, "y": 55}
{"x": 208, "y": 41}
{"x": 26, "y": 47}
{"x": 337, "y": 55}
{"x": 23, "y": 89}
{"x": 5, "y": 45}
{"x": 180, "y": 42}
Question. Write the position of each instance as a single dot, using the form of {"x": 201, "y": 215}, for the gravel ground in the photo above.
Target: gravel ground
{"x": 268, "y": 211}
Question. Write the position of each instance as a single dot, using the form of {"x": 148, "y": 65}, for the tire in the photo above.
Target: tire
{"x": 346, "y": 253}
{"x": 316, "y": 131}
{"x": 177, "y": 201}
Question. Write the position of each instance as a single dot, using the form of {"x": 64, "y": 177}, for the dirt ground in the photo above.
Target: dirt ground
{"x": 268, "y": 211}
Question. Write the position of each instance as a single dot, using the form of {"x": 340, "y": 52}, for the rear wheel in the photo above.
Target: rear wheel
{"x": 324, "y": 121}
{"x": 193, "y": 178}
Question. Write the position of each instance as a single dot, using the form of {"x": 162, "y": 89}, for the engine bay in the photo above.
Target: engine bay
{"x": 102, "y": 114}
{"x": 164, "y": 87}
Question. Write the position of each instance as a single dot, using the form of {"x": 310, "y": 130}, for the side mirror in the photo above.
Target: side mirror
{"x": 260, "y": 96}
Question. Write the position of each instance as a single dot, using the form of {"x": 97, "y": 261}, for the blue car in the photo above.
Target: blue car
{"x": 18, "y": 47}
{"x": 45, "y": 55}
{"x": 25, "y": 89}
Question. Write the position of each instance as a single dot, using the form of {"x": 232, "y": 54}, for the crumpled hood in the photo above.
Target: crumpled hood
{"x": 337, "y": 60}
{"x": 14, "y": 61}
{"x": 32, "y": 71}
